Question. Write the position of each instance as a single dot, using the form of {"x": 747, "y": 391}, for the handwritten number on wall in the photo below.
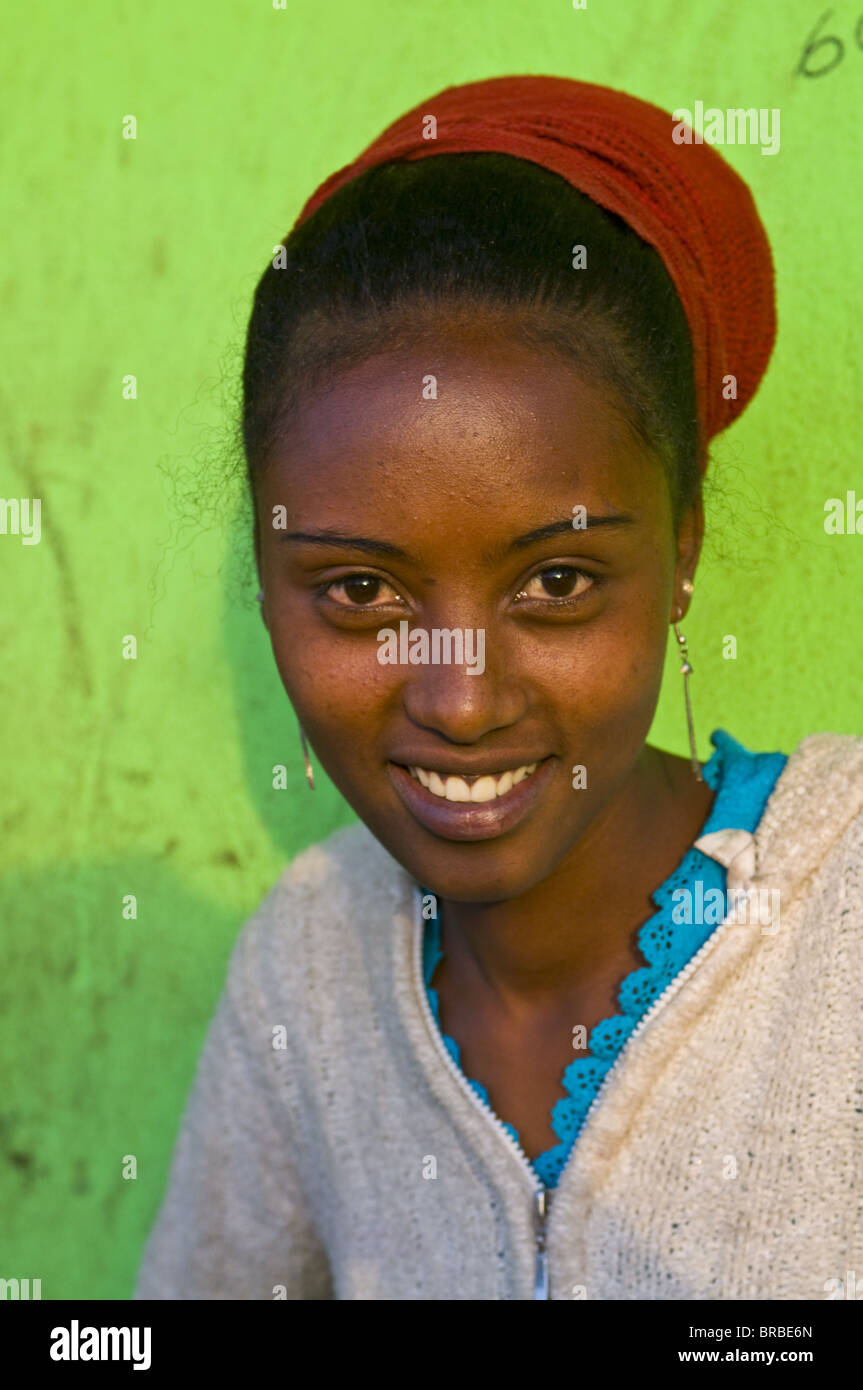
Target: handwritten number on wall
{"x": 822, "y": 53}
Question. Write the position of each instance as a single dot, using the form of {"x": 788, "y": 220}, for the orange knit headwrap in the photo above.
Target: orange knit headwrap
{"x": 683, "y": 199}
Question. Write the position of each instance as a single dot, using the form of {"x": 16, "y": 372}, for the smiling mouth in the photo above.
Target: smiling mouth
{"x": 471, "y": 806}
{"x": 479, "y": 789}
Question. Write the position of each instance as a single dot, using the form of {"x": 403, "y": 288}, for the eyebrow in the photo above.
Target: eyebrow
{"x": 395, "y": 552}
{"x": 346, "y": 542}
{"x": 562, "y": 528}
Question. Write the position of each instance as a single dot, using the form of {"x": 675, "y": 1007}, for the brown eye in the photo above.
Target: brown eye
{"x": 361, "y": 588}
{"x": 558, "y": 581}
{"x": 361, "y": 591}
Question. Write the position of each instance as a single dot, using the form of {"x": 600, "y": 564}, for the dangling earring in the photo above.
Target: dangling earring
{"x": 310, "y": 776}
{"x": 686, "y": 672}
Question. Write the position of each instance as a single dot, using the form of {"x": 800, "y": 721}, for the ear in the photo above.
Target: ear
{"x": 262, "y": 601}
{"x": 689, "y": 538}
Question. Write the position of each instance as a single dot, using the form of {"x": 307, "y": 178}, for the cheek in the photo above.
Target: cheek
{"x": 605, "y": 671}
{"x": 340, "y": 691}
{"x": 632, "y": 667}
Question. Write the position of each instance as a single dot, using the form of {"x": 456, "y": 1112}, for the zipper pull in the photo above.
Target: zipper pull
{"x": 540, "y": 1209}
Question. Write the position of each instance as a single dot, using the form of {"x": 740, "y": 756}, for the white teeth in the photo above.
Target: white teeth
{"x": 486, "y": 788}
{"x": 456, "y": 789}
{"x": 483, "y": 789}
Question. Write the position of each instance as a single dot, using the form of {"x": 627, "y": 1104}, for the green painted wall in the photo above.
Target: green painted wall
{"x": 152, "y": 777}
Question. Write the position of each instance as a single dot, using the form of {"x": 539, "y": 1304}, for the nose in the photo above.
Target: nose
{"x": 462, "y": 705}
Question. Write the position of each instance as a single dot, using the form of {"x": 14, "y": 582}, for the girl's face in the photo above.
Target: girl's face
{"x": 435, "y": 487}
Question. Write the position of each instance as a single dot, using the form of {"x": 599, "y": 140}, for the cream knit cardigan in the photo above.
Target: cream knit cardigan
{"x": 330, "y": 1148}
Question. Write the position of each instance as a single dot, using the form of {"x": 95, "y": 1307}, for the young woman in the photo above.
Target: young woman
{"x": 566, "y": 1016}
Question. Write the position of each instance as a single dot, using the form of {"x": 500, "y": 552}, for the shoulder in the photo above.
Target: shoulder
{"x": 816, "y": 807}
{"x": 834, "y": 758}
{"x": 312, "y": 926}
{"x": 349, "y": 869}
{"x": 822, "y": 781}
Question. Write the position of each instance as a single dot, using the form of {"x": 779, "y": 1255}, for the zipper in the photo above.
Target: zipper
{"x": 541, "y": 1202}
{"x": 541, "y": 1194}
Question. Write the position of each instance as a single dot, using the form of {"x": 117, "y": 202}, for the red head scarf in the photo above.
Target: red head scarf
{"x": 683, "y": 199}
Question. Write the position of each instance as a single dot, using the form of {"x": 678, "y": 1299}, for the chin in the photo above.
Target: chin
{"x": 484, "y": 852}
{"x": 480, "y": 872}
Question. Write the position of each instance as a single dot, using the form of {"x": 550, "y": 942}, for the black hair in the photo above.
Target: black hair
{"x": 391, "y": 247}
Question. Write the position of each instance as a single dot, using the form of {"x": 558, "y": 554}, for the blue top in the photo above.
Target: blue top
{"x": 743, "y": 782}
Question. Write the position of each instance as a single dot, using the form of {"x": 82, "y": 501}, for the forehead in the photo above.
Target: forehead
{"x": 465, "y": 418}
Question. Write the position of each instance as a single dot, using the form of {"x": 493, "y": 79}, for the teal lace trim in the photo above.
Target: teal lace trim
{"x": 743, "y": 782}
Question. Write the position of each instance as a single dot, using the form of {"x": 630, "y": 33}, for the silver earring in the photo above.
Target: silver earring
{"x": 310, "y": 776}
{"x": 686, "y": 672}
{"x": 260, "y": 596}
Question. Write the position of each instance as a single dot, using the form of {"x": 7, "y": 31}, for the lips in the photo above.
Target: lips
{"x": 471, "y": 806}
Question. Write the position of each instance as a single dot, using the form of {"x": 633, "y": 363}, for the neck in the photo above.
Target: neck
{"x": 578, "y": 927}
